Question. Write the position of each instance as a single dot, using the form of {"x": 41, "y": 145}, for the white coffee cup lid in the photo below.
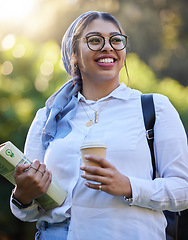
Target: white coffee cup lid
{"x": 93, "y": 144}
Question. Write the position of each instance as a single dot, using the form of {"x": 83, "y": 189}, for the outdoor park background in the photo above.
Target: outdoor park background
{"x": 31, "y": 68}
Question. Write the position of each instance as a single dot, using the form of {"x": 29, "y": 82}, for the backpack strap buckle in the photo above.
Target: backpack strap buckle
{"x": 150, "y": 134}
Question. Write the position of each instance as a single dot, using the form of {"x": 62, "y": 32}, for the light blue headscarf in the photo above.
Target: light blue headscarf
{"x": 63, "y": 104}
{"x": 66, "y": 50}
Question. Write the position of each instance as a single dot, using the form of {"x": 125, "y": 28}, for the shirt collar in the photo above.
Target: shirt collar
{"x": 121, "y": 92}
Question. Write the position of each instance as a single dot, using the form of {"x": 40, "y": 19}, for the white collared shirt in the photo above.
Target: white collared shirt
{"x": 120, "y": 126}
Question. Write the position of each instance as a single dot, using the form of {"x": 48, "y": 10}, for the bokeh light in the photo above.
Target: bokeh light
{"x": 18, "y": 51}
{"x": 8, "y": 42}
{"x": 47, "y": 68}
{"x": 41, "y": 84}
{"x": 6, "y": 68}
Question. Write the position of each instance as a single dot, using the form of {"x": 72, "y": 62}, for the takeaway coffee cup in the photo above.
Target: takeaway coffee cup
{"x": 94, "y": 148}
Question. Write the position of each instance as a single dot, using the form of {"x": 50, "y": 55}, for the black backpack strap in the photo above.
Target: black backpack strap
{"x": 149, "y": 121}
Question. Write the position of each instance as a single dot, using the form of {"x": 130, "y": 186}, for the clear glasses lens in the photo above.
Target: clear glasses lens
{"x": 118, "y": 42}
{"x": 97, "y": 42}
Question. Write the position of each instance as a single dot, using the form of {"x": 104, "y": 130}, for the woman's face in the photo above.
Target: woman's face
{"x": 100, "y": 65}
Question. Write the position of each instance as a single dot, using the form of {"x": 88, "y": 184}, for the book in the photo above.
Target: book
{"x": 10, "y": 157}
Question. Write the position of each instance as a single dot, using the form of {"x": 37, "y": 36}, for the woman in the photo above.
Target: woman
{"x": 118, "y": 200}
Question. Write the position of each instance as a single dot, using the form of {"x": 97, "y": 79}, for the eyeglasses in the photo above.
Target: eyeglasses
{"x": 96, "y": 42}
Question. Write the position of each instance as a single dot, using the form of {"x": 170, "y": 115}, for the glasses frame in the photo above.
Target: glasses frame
{"x": 104, "y": 38}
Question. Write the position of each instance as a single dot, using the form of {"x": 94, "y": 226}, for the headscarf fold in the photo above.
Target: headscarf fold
{"x": 66, "y": 46}
{"x": 62, "y": 105}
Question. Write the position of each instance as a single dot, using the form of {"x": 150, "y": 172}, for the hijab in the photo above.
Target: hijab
{"x": 62, "y": 105}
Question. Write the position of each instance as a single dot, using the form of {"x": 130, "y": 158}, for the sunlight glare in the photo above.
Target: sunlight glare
{"x": 71, "y": 1}
{"x": 15, "y": 9}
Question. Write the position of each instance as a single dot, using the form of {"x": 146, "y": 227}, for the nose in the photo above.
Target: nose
{"x": 107, "y": 45}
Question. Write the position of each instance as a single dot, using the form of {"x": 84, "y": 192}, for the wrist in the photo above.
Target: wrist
{"x": 22, "y": 198}
{"x": 126, "y": 190}
{"x": 127, "y": 196}
{"x": 19, "y": 204}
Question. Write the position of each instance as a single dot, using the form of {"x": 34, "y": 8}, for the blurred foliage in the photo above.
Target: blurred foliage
{"x": 25, "y": 84}
{"x": 157, "y": 29}
{"x": 27, "y": 79}
{"x": 144, "y": 79}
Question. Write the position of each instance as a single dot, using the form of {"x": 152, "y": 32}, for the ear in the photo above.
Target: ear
{"x": 75, "y": 59}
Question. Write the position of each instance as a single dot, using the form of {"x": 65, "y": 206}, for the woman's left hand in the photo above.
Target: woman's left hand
{"x": 112, "y": 181}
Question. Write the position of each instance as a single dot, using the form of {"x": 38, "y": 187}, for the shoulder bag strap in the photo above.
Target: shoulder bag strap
{"x": 149, "y": 121}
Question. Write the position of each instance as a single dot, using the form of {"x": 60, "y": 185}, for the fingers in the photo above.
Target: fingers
{"x": 33, "y": 182}
{"x": 100, "y": 171}
{"x": 42, "y": 174}
{"x": 96, "y": 178}
{"x": 98, "y": 187}
{"x": 21, "y": 168}
{"x": 100, "y": 174}
{"x": 41, "y": 169}
{"x": 36, "y": 168}
{"x": 115, "y": 183}
{"x": 105, "y": 178}
{"x": 92, "y": 170}
{"x": 97, "y": 159}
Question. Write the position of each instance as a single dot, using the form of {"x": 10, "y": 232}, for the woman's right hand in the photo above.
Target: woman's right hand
{"x": 32, "y": 181}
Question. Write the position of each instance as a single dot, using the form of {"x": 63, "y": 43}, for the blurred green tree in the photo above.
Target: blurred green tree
{"x": 157, "y": 29}
{"x": 29, "y": 74}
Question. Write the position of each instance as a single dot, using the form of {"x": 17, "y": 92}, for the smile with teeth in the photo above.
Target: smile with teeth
{"x": 106, "y": 60}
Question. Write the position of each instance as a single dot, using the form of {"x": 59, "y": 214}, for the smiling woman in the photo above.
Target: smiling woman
{"x": 19, "y": 9}
{"x": 95, "y": 107}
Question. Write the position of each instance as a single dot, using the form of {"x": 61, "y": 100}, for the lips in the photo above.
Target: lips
{"x": 106, "y": 61}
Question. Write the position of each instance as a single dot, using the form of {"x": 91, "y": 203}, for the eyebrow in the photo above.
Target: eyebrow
{"x": 98, "y": 33}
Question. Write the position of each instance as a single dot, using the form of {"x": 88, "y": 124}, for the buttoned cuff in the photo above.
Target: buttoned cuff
{"x": 142, "y": 191}
{"x": 30, "y": 213}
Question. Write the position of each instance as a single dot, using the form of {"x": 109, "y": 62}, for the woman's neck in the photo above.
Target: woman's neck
{"x": 97, "y": 91}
